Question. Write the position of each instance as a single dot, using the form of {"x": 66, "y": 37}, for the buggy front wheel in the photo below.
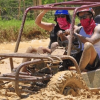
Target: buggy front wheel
{"x": 66, "y": 82}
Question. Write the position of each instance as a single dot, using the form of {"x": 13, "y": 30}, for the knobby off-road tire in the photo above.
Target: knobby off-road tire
{"x": 66, "y": 79}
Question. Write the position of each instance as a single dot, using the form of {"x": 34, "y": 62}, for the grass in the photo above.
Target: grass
{"x": 8, "y": 24}
{"x": 9, "y": 30}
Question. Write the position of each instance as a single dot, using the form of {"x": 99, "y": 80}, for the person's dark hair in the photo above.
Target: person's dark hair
{"x": 68, "y": 17}
{"x": 97, "y": 19}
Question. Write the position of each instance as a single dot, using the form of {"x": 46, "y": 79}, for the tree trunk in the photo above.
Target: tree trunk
{"x": 0, "y": 12}
{"x": 24, "y": 4}
{"x": 65, "y": 1}
{"x": 40, "y": 2}
{"x": 19, "y": 9}
{"x": 36, "y": 3}
{"x": 55, "y": 1}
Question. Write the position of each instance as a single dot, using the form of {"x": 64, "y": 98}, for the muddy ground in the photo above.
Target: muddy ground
{"x": 45, "y": 94}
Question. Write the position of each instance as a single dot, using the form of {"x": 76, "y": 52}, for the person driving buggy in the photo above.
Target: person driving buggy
{"x": 89, "y": 34}
{"x": 63, "y": 22}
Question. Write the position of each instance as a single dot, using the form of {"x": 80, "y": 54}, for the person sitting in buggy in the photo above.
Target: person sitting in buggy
{"x": 89, "y": 34}
{"x": 63, "y": 22}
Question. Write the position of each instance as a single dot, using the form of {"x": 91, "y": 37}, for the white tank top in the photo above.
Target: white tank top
{"x": 96, "y": 45}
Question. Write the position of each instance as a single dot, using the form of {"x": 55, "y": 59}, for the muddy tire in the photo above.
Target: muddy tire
{"x": 66, "y": 80}
{"x": 1, "y": 86}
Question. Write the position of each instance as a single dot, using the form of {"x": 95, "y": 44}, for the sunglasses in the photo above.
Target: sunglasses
{"x": 84, "y": 16}
{"x": 62, "y": 16}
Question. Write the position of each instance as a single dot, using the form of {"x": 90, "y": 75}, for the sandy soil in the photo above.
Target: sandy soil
{"x": 45, "y": 94}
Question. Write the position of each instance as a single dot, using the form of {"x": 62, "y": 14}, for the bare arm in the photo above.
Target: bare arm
{"x": 62, "y": 36}
{"x": 94, "y": 38}
{"x": 44, "y": 25}
{"x": 65, "y": 35}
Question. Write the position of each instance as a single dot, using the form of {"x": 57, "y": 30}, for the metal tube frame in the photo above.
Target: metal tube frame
{"x": 39, "y": 57}
{"x": 42, "y": 7}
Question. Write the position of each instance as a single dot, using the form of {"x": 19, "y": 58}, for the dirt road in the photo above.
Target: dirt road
{"x": 9, "y": 48}
{"x": 45, "y": 94}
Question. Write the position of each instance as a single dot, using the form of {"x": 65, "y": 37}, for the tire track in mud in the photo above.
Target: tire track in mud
{"x": 55, "y": 87}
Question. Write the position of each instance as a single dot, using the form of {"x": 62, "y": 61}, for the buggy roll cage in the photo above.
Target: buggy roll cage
{"x": 16, "y": 76}
{"x": 86, "y": 3}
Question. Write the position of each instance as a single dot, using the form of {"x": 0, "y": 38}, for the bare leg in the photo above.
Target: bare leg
{"x": 54, "y": 46}
{"x": 88, "y": 56}
{"x": 29, "y": 50}
{"x": 47, "y": 50}
{"x": 40, "y": 50}
{"x": 43, "y": 50}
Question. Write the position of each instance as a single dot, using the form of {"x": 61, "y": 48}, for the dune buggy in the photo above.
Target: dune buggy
{"x": 63, "y": 79}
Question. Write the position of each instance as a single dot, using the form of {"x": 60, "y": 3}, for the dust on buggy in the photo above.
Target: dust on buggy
{"x": 33, "y": 76}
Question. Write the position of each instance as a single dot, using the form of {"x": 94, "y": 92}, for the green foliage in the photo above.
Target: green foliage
{"x": 9, "y": 26}
{"x": 10, "y": 8}
{"x": 49, "y": 1}
{"x": 77, "y": 21}
{"x": 52, "y": 1}
{"x": 9, "y": 30}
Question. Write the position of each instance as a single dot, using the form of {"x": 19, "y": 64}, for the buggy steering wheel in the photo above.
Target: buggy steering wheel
{"x": 76, "y": 44}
